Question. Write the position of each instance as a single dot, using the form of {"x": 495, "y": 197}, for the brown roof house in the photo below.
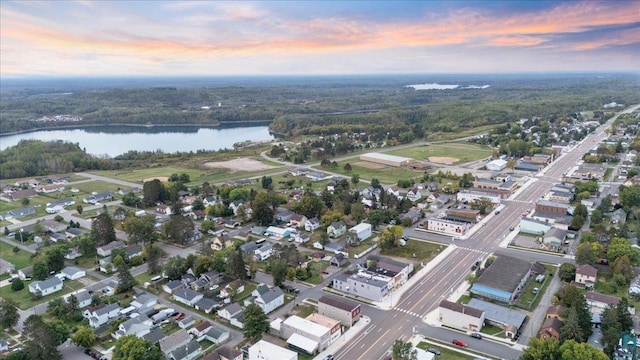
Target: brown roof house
{"x": 460, "y": 316}
{"x": 586, "y": 275}
{"x": 550, "y": 329}
{"x": 555, "y": 311}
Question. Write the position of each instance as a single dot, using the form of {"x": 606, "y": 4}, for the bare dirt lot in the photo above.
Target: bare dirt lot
{"x": 239, "y": 164}
{"x": 443, "y": 160}
{"x": 161, "y": 178}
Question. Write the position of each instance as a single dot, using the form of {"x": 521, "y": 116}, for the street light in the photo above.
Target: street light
{"x": 21, "y": 240}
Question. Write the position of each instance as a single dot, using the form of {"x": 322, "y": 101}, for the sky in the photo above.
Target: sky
{"x": 191, "y": 38}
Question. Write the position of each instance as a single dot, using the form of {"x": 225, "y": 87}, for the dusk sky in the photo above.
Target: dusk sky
{"x": 174, "y": 38}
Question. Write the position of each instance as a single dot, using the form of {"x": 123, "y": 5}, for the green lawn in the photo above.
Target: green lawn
{"x": 387, "y": 175}
{"x": 463, "y": 151}
{"x": 20, "y": 259}
{"x": 23, "y": 299}
{"x": 316, "y": 272}
{"x": 605, "y": 285}
{"x": 446, "y": 354}
{"x": 96, "y": 186}
{"x": 528, "y": 300}
{"x": 423, "y": 250}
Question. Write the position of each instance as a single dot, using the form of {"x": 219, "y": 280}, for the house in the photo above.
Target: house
{"x": 6, "y": 267}
{"x": 199, "y": 330}
{"x": 138, "y": 326}
{"x": 460, "y": 316}
{"x": 19, "y": 195}
{"x": 634, "y": 287}
{"x": 20, "y": 213}
{"x": 336, "y": 229}
{"x": 283, "y": 215}
{"x": 173, "y": 341}
{"x": 73, "y": 273}
{"x": 73, "y": 232}
{"x": 413, "y": 214}
{"x": 249, "y": 248}
{"x": 53, "y": 226}
{"x": 106, "y": 264}
{"x": 94, "y": 199}
{"x": 618, "y": 218}
{"x": 216, "y": 335}
{"x": 263, "y": 253}
{"x": 339, "y": 308}
{"x": 338, "y": 260}
{"x": 550, "y": 329}
{"x": 106, "y": 249}
{"x": 57, "y": 237}
{"x": 144, "y": 301}
{"x": 82, "y": 296}
{"x": 25, "y": 274}
{"x": 414, "y": 194}
{"x": 221, "y": 242}
{"x": 598, "y": 302}
{"x": 555, "y": 311}
{"x": 362, "y": 231}
{"x": 59, "y": 205}
{"x": 298, "y": 220}
{"x": 554, "y": 237}
{"x": 101, "y": 314}
{"x": 230, "y": 311}
{"x": 232, "y": 288}
{"x": 46, "y": 287}
{"x": 186, "y": 322}
{"x": 586, "y": 274}
{"x": 269, "y": 300}
{"x": 48, "y": 189}
{"x": 120, "y": 214}
{"x": 206, "y": 280}
{"x": 263, "y": 350}
{"x": 312, "y": 224}
{"x": 187, "y": 296}
{"x": 315, "y": 176}
{"x": 172, "y": 286}
{"x": 207, "y": 305}
{"x": 133, "y": 250}
{"x": 4, "y": 345}
{"x": 224, "y": 352}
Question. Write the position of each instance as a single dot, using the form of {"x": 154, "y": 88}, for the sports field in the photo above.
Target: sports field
{"x": 449, "y": 153}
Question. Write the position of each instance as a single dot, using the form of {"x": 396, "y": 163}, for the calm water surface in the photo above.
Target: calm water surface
{"x": 116, "y": 140}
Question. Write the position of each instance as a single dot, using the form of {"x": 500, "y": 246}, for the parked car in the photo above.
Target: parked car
{"x": 535, "y": 290}
{"x": 180, "y": 316}
{"x": 434, "y": 351}
{"x": 476, "y": 335}
{"x": 459, "y": 343}
{"x": 511, "y": 228}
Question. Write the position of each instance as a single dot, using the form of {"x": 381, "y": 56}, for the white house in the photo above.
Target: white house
{"x": 362, "y": 231}
{"x": 312, "y": 224}
{"x": 269, "y": 300}
{"x": 187, "y": 296}
{"x": 278, "y": 232}
{"x": 230, "y": 311}
{"x": 106, "y": 249}
{"x": 586, "y": 274}
{"x": 172, "y": 286}
{"x": 138, "y": 326}
{"x": 83, "y": 297}
{"x": 144, "y": 301}
{"x": 46, "y": 287}
{"x": 101, "y": 314}
{"x": 414, "y": 194}
{"x": 263, "y": 253}
{"x": 73, "y": 273}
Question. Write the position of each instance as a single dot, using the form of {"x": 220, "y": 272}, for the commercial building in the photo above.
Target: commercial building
{"x": 346, "y": 311}
{"x": 445, "y": 226}
{"x": 467, "y": 196}
{"x": 385, "y": 159}
{"x": 504, "y": 279}
{"x": 374, "y": 288}
{"x": 460, "y": 316}
{"x": 263, "y": 350}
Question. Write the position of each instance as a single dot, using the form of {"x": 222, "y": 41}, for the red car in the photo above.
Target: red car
{"x": 179, "y": 316}
{"x": 459, "y": 343}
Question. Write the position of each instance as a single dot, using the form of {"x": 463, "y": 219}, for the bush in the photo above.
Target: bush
{"x": 16, "y": 249}
{"x": 17, "y": 285}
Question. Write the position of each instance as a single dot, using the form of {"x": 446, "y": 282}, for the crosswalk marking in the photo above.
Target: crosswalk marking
{"x": 474, "y": 250}
{"x": 408, "y": 312}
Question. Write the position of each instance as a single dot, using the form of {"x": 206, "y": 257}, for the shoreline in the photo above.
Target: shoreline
{"x": 73, "y": 127}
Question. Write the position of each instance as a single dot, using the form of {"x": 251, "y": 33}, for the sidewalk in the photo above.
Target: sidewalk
{"x": 345, "y": 337}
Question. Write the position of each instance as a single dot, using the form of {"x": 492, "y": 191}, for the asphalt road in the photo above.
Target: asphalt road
{"x": 387, "y": 326}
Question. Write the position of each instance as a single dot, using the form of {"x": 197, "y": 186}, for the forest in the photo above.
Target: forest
{"x": 314, "y": 105}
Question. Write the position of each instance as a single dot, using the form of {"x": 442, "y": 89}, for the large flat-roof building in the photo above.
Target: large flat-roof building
{"x": 507, "y": 319}
{"x": 503, "y": 280}
{"x": 263, "y": 350}
{"x": 345, "y": 310}
{"x": 386, "y": 159}
{"x": 374, "y": 288}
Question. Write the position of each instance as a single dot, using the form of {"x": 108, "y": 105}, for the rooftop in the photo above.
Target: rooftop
{"x": 505, "y": 273}
{"x": 499, "y": 313}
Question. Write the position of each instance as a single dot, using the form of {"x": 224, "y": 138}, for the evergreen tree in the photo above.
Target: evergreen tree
{"x": 126, "y": 281}
{"x": 42, "y": 343}
{"x": 256, "y": 322}
{"x": 571, "y": 328}
{"x": 9, "y": 315}
{"x": 102, "y": 229}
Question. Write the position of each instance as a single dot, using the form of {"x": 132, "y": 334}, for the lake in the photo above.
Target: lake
{"x": 116, "y": 140}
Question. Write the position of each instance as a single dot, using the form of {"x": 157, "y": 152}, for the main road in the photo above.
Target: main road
{"x": 407, "y": 316}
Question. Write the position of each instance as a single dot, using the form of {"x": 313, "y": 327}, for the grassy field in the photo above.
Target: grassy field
{"x": 463, "y": 151}
{"x": 95, "y": 186}
{"x": 446, "y": 354}
{"x": 20, "y": 259}
{"x": 424, "y": 251}
{"x": 23, "y": 299}
{"x": 528, "y": 300}
{"x": 387, "y": 175}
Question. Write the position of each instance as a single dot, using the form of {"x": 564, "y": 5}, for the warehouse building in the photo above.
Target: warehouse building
{"x": 385, "y": 159}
